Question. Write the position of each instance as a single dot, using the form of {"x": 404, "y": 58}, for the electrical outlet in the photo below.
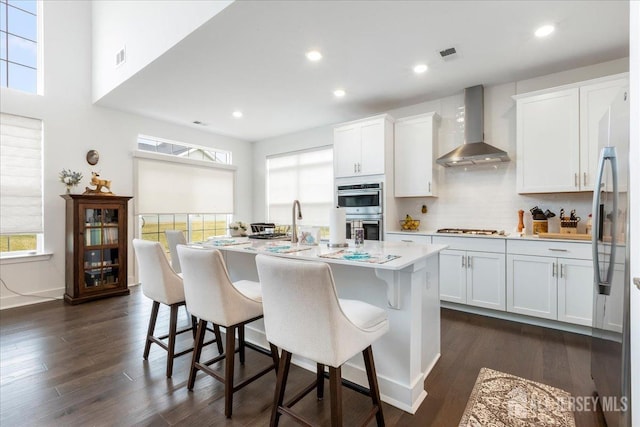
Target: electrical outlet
{"x": 121, "y": 57}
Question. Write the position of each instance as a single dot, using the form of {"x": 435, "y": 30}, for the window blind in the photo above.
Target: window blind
{"x": 306, "y": 176}
{"x": 169, "y": 185}
{"x": 20, "y": 175}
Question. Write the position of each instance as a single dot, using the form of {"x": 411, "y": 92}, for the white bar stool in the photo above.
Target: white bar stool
{"x": 161, "y": 284}
{"x": 303, "y": 316}
{"x": 211, "y": 296}
{"x": 175, "y": 238}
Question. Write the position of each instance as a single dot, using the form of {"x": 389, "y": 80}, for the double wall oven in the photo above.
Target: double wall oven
{"x": 363, "y": 204}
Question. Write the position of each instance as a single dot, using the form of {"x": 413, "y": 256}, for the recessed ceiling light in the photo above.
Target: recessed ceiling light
{"x": 237, "y": 114}
{"x": 544, "y": 31}
{"x": 339, "y": 93}
{"x": 314, "y": 55}
{"x": 420, "y": 68}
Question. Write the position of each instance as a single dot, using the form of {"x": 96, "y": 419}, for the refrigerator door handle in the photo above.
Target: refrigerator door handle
{"x": 607, "y": 153}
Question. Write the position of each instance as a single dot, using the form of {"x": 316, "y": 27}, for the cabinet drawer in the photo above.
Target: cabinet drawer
{"x": 547, "y": 248}
{"x": 492, "y": 244}
{"x": 409, "y": 238}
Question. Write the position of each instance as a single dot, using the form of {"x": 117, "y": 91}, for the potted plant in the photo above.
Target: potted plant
{"x": 70, "y": 178}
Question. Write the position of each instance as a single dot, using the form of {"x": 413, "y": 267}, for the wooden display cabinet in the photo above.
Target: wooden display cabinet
{"x": 96, "y": 247}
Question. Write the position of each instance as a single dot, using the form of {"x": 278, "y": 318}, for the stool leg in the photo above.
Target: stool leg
{"x": 228, "y": 370}
{"x": 194, "y": 325}
{"x": 274, "y": 356}
{"x": 335, "y": 388}
{"x": 216, "y": 332}
{"x": 281, "y": 384}
{"x": 320, "y": 381}
{"x": 152, "y": 326}
{"x": 241, "y": 343}
{"x": 197, "y": 351}
{"x": 367, "y": 353}
{"x": 171, "y": 346}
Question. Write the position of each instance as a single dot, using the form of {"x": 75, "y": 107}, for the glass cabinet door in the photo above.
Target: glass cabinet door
{"x": 101, "y": 253}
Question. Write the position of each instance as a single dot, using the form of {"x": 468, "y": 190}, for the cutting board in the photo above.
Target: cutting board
{"x": 564, "y": 236}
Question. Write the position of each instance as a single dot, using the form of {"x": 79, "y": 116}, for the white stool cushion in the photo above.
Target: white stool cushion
{"x": 249, "y": 289}
{"x": 159, "y": 281}
{"x": 209, "y": 293}
{"x": 363, "y": 315}
{"x": 302, "y": 313}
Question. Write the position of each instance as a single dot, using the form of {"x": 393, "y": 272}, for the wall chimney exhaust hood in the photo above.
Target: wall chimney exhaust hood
{"x": 474, "y": 151}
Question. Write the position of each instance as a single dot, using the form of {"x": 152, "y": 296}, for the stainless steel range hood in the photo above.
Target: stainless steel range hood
{"x": 474, "y": 151}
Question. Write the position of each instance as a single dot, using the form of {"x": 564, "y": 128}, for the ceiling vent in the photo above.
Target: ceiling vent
{"x": 449, "y": 53}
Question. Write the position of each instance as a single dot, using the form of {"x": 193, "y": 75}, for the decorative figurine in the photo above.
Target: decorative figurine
{"x": 99, "y": 183}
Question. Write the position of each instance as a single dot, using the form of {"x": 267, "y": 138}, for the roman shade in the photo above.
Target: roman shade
{"x": 306, "y": 176}
{"x": 170, "y": 185}
{"x": 20, "y": 175}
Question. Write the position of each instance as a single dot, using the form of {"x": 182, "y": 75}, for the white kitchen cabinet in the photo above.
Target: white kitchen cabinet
{"x": 421, "y": 239}
{"x": 557, "y": 135}
{"x": 472, "y": 276}
{"x": 532, "y": 288}
{"x": 359, "y": 147}
{"x": 595, "y": 100}
{"x": 547, "y": 140}
{"x": 575, "y": 291}
{"x": 415, "y": 139}
{"x": 551, "y": 280}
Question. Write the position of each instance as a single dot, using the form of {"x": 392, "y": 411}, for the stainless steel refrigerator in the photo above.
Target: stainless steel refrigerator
{"x": 610, "y": 344}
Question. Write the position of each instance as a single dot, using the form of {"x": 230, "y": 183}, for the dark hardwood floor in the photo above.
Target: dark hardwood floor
{"x": 82, "y": 365}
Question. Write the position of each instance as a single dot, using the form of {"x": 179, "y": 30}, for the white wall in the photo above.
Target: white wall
{"x": 72, "y": 126}
{"x": 117, "y": 24}
{"x": 480, "y": 196}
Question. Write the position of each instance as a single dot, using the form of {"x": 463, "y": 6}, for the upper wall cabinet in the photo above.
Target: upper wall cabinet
{"x": 359, "y": 147}
{"x": 557, "y": 135}
{"x": 414, "y": 143}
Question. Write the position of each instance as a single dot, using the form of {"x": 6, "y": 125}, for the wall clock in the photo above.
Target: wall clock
{"x": 93, "y": 157}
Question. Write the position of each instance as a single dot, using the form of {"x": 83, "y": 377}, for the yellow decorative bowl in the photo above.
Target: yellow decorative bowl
{"x": 409, "y": 225}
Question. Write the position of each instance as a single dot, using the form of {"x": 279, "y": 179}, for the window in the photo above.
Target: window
{"x": 19, "y": 45}
{"x": 157, "y": 145}
{"x": 182, "y": 187}
{"x": 306, "y": 176}
{"x": 20, "y": 184}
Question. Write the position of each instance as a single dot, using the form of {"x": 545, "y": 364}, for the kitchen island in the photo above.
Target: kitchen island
{"x": 400, "y": 277}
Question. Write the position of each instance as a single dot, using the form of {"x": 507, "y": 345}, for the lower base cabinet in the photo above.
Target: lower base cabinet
{"x": 551, "y": 287}
{"x": 472, "y": 277}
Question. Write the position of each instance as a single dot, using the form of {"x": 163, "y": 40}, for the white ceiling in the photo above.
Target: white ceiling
{"x": 251, "y": 57}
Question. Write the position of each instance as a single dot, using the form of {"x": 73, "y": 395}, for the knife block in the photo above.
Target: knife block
{"x": 540, "y": 226}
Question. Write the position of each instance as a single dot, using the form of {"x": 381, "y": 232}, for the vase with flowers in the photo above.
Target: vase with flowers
{"x": 70, "y": 178}
{"x": 237, "y": 229}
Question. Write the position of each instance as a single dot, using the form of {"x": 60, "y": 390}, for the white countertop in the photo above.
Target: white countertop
{"x": 512, "y": 236}
{"x": 408, "y": 253}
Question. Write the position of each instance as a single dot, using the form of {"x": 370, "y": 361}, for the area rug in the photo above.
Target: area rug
{"x": 500, "y": 399}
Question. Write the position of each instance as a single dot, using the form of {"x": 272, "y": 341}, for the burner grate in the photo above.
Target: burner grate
{"x": 468, "y": 231}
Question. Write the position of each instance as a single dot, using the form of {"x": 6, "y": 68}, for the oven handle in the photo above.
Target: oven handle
{"x": 359, "y": 192}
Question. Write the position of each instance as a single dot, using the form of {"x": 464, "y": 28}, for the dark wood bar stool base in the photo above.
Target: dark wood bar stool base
{"x": 335, "y": 390}
{"x": 170, "y": 345}
{"x": 229, "y": 357}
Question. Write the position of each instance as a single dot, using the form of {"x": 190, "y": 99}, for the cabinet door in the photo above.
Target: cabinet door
{"x": 372, "y": 148}
{"x": 547, "y": 135}
{"x": 532, "y": 286}
{"x": 595, "y": 101}
{"x": 486, "y": 280}
{"x": 346, "y": 150}
{"x": 453, "y": 277}
{"x": 575, "y": 291}
{"x": 413, "y": 156}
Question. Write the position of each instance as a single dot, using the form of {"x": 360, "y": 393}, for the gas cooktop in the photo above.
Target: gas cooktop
{"x": 470, "y": 231}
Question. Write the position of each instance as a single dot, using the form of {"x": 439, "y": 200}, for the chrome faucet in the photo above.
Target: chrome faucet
{"x": 294, "y": 232}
